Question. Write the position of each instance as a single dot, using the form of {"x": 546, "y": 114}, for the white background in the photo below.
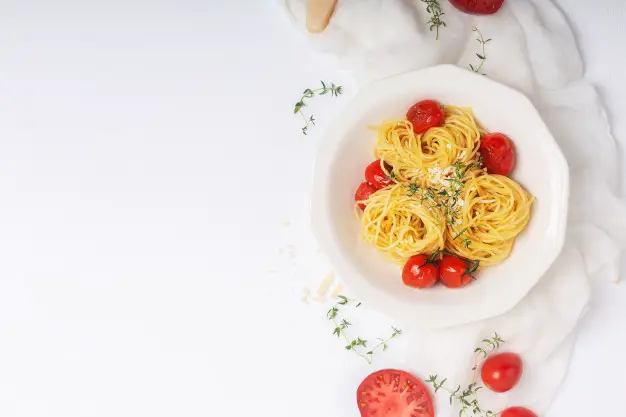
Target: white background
{"x": 149, "y": 160}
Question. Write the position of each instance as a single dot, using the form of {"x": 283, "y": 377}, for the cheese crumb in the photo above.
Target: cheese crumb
{"x": 323, "y": 288}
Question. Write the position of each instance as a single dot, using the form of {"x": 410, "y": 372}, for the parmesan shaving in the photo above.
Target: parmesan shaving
{"x": 323, "y": 288}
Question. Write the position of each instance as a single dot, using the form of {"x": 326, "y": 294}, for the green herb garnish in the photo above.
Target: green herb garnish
{"x": 434, "y": 8}
{"x": 334, "y": 91}
{"x": 468, "y": 397}
{"x": 482, "y": 56}
{"x": 358, "y": 345}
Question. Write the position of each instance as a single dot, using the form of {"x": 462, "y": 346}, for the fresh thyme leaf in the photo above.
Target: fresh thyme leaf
{"x": 460, "y": 233}
{"x": 392, "y": 176}
{"x": 299, "y": 105}
{"x": 434, "y": 8}
{"x": 482, "y": 56}
{"x": 467, "y": 397}
{"x": 308, "y": 93}
{"x": 357, "y": 345}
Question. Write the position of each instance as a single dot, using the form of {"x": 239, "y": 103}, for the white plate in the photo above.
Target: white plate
{"x": 347, "y": 148}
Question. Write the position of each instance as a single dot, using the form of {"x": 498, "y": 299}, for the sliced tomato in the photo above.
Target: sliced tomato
{"x": 517, "y": 412}
{"x": 498, "y": 153}
{"x": 424, "y": 115}
{"x": 393, "y": 393}
{"x": 478, "y": 6}
{"x": 364, "y": 192}
{"x": 375, "y": 175}
{"x": 420, "y": 272}
{"x": 502, "y": 371}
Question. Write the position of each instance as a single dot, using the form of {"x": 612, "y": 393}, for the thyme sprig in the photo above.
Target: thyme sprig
{"x": 334, "y": 90}
{"x": 434, "y": 8}
{"x": 447, "y": 198}
{"x": 359, "y": 346}
{"x": 482, "y": 56}
{"x": 468, "y": 397}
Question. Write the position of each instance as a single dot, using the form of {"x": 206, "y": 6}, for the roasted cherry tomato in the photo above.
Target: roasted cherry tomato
{"x": 456, "y": 272}
{"x": 424, "y": 115}
{"x": 364, "y": 192}
{"x": 502, "y": 371}
{"x": 420, "y": 272}
{"x": 517, "y": 412}
{"x": 478, "y": 6}
{"x": 393, "y": 393}
{"x": 498, "y": 153}
{"x": 375, "y": 175}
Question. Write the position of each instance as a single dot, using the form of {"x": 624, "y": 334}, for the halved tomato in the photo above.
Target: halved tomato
{"x": 393, "y": 393}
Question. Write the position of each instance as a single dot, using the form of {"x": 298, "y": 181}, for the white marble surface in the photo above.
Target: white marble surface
{"x": 149, "y": 161}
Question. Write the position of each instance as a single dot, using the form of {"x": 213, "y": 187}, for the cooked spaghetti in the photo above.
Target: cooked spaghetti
{"x": 414, "y": 156}
{"x": 400, "y": 225}
{"x": 442, "y": 197}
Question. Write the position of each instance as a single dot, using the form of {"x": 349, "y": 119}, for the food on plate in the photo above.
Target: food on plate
{"x": 498, "y": 154}
{"x": 393, "y": 393}
{"x": 478, "y": 6}
{"x": 420, "y": 271}
{"x": 455, "y": 272}
{"x": 378, "y": 173}
{"x": 496, "y": 209}
{"x": 400, "y": 226}
{"x": 517, "y": 412}
{"x": 502, "y": 371}
{"x": 438, "y": 188}
{"x": 364, "y": 192}
{"x": 425, "y": 114}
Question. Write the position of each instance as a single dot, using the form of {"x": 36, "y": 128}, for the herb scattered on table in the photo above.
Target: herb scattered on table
{"x": 357, "y": 345}
{"x": 334, "y": 91}
{"x": 434, "y": 8}
{"x": 482, "y": 56}
{"x": 468, "y": 397}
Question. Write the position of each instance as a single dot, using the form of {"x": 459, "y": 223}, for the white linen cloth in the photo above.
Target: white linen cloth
{"x": 533, "y": 50}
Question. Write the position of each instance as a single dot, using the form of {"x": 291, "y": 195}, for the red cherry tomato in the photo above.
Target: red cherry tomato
{"x": 502, "y": 371}
{"x": 393, "y": 393}
{"x": 424, "y": 115}
{"x": 364, "y": 192}
{"x": 478, "y": 6}
{"x": 375, "y": 175}
{"x": 420, "y": 272}
{"x": 517, "y": 412}
{"x": 498, "y": 153}
{"x": 455, "y": 272}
